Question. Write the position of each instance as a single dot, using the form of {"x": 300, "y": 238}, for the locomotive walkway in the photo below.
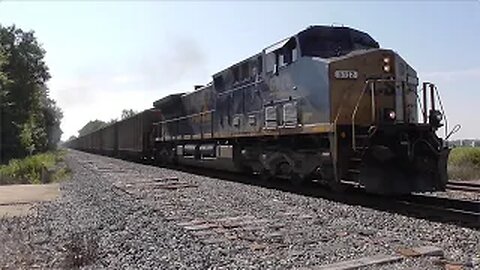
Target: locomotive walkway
{"x": 117, "y": 214}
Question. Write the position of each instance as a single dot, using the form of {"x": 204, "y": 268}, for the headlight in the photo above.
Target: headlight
{"x": 392, "y": 115}
{"x": 389, "y": 114}
{"x": 387, "y": 62}
{"x": 386, "y": 68}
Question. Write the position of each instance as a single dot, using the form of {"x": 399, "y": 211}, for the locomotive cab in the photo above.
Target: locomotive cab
{"x": 380, "y": 141}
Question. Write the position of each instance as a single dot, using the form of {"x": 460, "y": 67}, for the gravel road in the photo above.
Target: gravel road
{"x": 117, "y": 214}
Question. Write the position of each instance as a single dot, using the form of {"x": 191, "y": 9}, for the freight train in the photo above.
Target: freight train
{"x": 326, "y": 103}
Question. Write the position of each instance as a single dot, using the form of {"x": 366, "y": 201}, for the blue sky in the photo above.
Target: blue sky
{"x": 105, "y": 56}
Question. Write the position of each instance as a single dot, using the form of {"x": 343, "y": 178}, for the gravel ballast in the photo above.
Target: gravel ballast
{"x": 118, "y": 214}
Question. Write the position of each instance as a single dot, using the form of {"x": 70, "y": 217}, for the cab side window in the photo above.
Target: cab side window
{"x": 219, "y": 83}
{"x": 236, "y": 74}
{"x": 288, "y": 53}
{"x": 283, "y": 56}
{"x": 270, "y": 61}
{"x": 259, "y": 65}
{"x": 245, "y": 71}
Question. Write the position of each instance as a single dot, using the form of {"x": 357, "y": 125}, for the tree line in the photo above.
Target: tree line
{"x": 29, "y": 118}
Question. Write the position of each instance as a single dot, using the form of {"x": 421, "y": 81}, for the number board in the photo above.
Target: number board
{"x": 346, "y": 74}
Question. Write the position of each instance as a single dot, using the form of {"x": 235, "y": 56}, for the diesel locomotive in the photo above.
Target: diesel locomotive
{"x": 326, "y": 103}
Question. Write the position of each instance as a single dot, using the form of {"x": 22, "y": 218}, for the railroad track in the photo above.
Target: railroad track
{"x": 463, "y": 186}
{"x": 446, "y": 210}
{"x": 458, "y": 211}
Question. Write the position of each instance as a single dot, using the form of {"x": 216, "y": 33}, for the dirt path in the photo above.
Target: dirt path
{"x": 17, "y": 200}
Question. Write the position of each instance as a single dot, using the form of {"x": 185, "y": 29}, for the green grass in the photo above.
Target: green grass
{"x": 464, "y": 163}
{"x": 36, "y": 169}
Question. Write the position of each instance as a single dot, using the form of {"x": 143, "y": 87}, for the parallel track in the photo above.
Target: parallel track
{"x": 464, "y": 186}
{"x": 458, "y": 211}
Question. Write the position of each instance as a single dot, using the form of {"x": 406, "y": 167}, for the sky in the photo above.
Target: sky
{"x": 105, "y": 56}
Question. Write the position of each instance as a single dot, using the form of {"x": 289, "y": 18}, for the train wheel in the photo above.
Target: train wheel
{"x": 337, "y": 186}
{"x": 266, "y": 176}
{"x": 296, "y": 179}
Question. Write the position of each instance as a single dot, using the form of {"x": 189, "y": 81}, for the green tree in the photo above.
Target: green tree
{"x": 52, "y": 116}
{"x": 3, "y": 76}
{"x": 30, "y": 121}
{"x": 112, "y": 121}
{"x": 4, "y": 102}
{"x": 126, "y": 113}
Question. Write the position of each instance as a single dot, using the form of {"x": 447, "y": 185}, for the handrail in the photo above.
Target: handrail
{"x": 354, "y": 113}
{"x": 434, "y": 96}
{"x": 334, "y": 156}
{"x": 442, "y": 111}
{"x": 185, "y": 117}
{"x": 371, "y": 83}
{"x": 241, "y": 86}
{"x": 367, "y": 82}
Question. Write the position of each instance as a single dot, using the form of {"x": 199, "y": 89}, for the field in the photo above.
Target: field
{"x": 37, "y": 169}
{"x": 464, "y": 163}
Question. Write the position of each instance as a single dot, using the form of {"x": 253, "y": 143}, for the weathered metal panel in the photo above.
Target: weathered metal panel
{"x": 170, "y": 106}
{"x": 225, "y": 151}
{"x": 247, "y": 108}
{"x": 96, "y": 141}
{"x": 109, "y": 139}
{"x": 306, "y": 82}
{"x": 346, "y": 92}
{"x": 134, "y": 133}
{"x": 290, "y": 114}
{"x": 264, "y": 93}
{"x": 130, "y": 134}
{"x": 196, "y": 118}
{"x": 271, "y": 117}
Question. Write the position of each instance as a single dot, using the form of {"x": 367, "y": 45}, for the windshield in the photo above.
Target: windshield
{"x": 328, "y": 42}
